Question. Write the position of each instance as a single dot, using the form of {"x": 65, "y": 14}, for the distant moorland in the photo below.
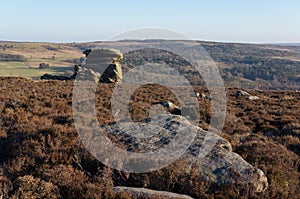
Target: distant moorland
{"x": 258, "y": 66}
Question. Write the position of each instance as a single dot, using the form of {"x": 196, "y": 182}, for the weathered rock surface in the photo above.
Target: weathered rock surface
{"x": 240, "y": 93}
{"x": 246, "y": 95}
{"x": 148, "y": 193}
{"x": 112, "y": 74}
{"x": 219, "y": 166}
{"x": 105, "y": 62}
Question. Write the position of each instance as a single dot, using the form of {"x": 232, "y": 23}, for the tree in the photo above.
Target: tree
{"x": 43, "y": 66}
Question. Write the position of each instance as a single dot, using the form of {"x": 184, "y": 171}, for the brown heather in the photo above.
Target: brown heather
{"x": 43, "y": 157}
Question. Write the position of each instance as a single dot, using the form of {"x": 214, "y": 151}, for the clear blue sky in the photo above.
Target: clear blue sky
{"x": 216, "y": 20}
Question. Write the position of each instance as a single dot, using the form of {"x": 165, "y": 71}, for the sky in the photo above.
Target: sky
{"x": 251, "y": 21}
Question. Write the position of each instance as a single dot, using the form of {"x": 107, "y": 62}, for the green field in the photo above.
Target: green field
{"x": 34, "y": 73}
{"x": 58, "y": 56}
{"x": 20, "y": 69}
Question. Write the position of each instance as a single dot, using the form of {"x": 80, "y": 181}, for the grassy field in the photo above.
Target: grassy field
{"x": 58, "y": 56}
{"x": 33, "y": 72}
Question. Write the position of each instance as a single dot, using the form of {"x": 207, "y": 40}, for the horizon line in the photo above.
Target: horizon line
{"x": 197, "y": 40}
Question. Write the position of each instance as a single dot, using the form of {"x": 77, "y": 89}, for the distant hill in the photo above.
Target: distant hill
{"x": 260, "y": 66}
{"x": 288, "y": 44}
{"x": 257, "y": 66}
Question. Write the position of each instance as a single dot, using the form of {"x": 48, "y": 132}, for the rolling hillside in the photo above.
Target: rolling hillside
{"x": 275, "y": 67}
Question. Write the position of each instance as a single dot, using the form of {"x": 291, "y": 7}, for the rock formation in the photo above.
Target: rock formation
{"x": 99, "y": 61}
{"x": 246, "y": 95}
{"x": 220, "y": 166}
{"x": 170, "y": 107}
{"x": 105, "y": 62}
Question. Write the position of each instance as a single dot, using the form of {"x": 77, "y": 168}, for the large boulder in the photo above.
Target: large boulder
{"x": 218, "y": 166}
{"x": 105, "y": 62}
{"x": 246, "y": 95}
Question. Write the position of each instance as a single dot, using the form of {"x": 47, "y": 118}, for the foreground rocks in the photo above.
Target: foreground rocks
{"x": 219, "y": 165}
